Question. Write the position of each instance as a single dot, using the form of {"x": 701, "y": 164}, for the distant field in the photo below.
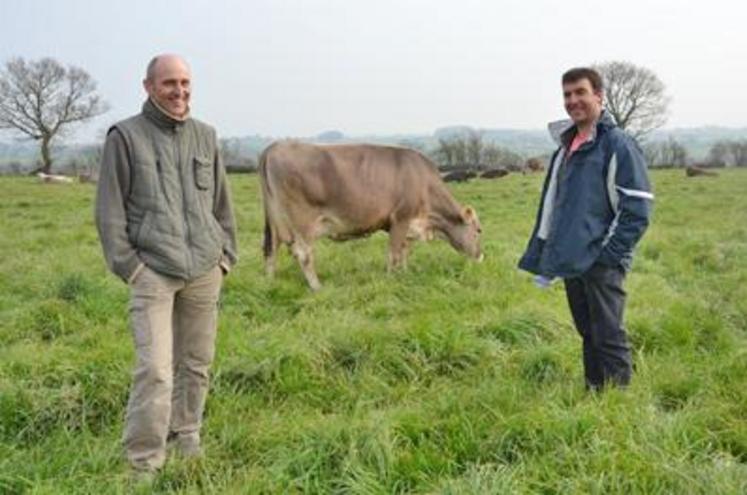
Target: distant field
{"x": 452, "y": 377}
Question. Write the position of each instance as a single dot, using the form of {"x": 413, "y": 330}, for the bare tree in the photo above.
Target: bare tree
{"x": 459, "y": 148}
{"x": 42, "y": 99}
{"x": 233, "y": 158}
{"x": 445, "y": 153}
{"x": 718, "y": 154}
{"x": 728, "y": 153}
{"x": 634, "y": 96}
{"x": 492, "y": 156}
{"x": 738, "y": 152}
{"x": 452, "y": 152}
{"x": 495, "y": 156}
{"x": 669, "y": 153}
{"x": 473, "y": 149}
{"x": 677, "y": 155}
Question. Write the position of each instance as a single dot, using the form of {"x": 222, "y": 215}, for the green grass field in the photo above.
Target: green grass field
{"x": 451, "y": 377}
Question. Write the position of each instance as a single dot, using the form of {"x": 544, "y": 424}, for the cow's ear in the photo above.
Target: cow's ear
{"x": 468, "y": 214}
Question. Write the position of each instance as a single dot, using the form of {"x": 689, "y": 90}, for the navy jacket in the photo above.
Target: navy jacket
{"x": 595, "y": 204}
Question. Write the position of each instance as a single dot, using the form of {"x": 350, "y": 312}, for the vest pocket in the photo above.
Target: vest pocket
{"x": 203, "y": 170}
{"x": 143, "y": 229}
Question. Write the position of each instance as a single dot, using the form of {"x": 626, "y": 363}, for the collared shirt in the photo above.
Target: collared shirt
{"x": 578, "y": 140}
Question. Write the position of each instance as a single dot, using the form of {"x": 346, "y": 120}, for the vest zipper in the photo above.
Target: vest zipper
{"x": 185, "y": 212}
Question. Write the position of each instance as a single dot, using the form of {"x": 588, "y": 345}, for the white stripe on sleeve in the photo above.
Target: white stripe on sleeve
{"x": 636, "y": 193}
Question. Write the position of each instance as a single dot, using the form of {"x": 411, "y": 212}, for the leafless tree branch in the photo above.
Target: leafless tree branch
{"x": 634, "y": 96}
{"x": 41, "y": 99}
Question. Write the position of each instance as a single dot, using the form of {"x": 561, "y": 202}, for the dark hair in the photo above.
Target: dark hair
{"x": 579, "y": 73}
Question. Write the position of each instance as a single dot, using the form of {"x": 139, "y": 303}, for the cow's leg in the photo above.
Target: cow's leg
{"x": 271, "y": 244}
{"x": 398, "y": 244}
{"x": 305, "y": 256}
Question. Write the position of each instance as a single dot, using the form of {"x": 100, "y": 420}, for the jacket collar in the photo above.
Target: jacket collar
{"x": 161, "y": 117}
{"x": 562, "y": 131}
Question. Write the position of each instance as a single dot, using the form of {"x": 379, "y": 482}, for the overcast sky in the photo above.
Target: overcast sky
{"x": 285, "y": 67}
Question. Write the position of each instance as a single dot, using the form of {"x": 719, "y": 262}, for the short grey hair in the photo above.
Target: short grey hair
{"x": 150, "y": 71}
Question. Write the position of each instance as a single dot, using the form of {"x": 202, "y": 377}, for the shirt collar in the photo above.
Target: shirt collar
{"x": 161, "y": 117}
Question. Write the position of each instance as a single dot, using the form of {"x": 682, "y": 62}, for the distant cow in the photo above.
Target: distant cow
{"x": 459, "y": 176}
{"x": 495, "y": 173}
{"x": 54, "y": 179}
{"x": 694, "y": 171}
{"x": 86, "y": 178}
{"x": 534, "y": 165}
{"x": 347, "y": 191}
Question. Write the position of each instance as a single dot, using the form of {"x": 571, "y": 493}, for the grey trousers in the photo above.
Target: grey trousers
{"x": 173, "y": 325}
{"x": 597, "y": 301}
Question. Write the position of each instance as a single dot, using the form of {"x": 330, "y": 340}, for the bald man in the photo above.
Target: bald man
{"x": 164, "y": 216}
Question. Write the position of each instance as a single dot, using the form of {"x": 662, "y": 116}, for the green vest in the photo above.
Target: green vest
{"x": 169, "y": 208}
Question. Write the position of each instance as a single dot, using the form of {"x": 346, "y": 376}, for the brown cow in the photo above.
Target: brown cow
{"x": 495, "y": 173}
{"x": 347, "y": 191}
{"x": 695, "y": 171}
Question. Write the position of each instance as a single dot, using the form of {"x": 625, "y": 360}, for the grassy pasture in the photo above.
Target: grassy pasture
{"x": 451, "y": 377}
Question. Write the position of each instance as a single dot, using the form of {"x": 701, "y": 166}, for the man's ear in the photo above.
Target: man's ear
{"x": 600, "y": 94}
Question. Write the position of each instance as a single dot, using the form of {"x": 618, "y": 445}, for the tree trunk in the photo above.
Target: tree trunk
{"x": 45, "y": 154}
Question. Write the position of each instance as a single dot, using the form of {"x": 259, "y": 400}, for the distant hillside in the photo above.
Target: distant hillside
{"x": 23, "y": 155}
{"x": 526, "y": 142}
{"x": 532, "y": 142}
{"x": 22, "y": 151}
{"x": 698, "y": 140}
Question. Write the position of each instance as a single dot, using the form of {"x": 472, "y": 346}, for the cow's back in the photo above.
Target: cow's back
{"x": 361, "y": 186}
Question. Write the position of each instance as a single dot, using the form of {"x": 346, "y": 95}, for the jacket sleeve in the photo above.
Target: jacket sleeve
{"x": 223, "y": 211}
{"x": 111, "y": 220}
{"x": 631, "y": 196}
{"x": 529, "y": 261}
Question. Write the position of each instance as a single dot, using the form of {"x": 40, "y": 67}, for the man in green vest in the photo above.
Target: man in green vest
{"x": 164, "y": 216}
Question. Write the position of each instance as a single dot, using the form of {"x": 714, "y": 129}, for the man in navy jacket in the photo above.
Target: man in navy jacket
{"x": 595, "y": 207}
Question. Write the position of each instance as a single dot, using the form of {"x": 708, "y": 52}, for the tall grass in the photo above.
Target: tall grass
{"x": 451, "y": 377}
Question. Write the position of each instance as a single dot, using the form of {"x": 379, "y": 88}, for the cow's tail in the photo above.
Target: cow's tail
{"x": 262, "y": 167}
{"x": 267, "y": 244}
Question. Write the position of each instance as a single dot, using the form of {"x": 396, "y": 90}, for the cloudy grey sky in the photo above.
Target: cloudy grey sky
{"x": 297, "y": 67}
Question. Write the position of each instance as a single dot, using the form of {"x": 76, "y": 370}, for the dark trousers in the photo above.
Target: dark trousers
{"x": 597, "y": 300}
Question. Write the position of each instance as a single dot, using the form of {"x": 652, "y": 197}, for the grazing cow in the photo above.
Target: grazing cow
{"x": 534, "y": 165}
{"x": 347, "y": 191}
{"x": 495, "y": 173}
{"x": 459, "y": 176}
{"x": 695, "y": 171}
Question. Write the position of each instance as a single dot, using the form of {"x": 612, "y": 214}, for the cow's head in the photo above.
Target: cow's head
{"x": 464, "y": 234}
